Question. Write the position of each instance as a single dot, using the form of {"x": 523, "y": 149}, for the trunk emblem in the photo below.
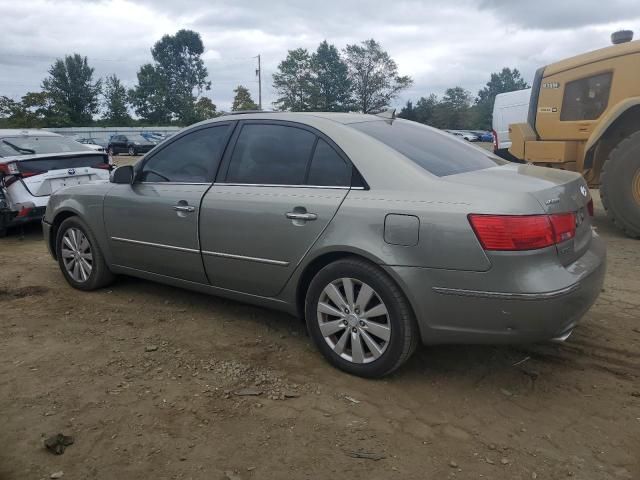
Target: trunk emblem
{"x": 71, "y": 171}
{"x": 583, "y": 190}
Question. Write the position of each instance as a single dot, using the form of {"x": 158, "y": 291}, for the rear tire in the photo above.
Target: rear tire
{"x": 76, "y": 244}
{"x": 393, "y": 327}
{"x": 620, "y": 185}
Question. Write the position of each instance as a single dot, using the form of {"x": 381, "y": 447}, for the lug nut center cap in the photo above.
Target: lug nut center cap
{"x": 352, "y": 320}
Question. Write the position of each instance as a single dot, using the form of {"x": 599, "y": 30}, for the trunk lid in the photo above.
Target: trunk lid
{"x": 44, "y": 175}
{"x": 557, "y": 191}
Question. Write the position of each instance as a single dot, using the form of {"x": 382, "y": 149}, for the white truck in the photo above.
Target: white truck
{"x": 508, "y": 108}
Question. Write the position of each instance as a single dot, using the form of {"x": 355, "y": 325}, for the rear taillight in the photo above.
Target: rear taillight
{"x": 522, "y": 232}
{"x": 9, "y": 168}
{"x": 103, "y": 166}
{"x": 590, "y": 207}
{"x": 495, "y": 140}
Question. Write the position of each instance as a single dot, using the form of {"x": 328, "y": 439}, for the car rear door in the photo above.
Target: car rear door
{"x": 152, "y": 225}
{"x": 270, "y": 204}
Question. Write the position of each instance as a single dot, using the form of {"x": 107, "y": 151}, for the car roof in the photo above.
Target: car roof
{"x": 26, "y": 132}
{"x": 338, "y": 117}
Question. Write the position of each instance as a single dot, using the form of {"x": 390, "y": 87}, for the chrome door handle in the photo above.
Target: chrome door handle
{"x": 301, "y": 216}
{"x": 184, "y": 208}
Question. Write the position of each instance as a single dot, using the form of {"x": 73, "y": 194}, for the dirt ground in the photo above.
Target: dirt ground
{"x": 152, "y": 382}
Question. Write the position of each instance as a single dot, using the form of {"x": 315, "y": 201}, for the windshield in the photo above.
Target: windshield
{"x": 435, "y": 151}
{"x": 29, "y": 145}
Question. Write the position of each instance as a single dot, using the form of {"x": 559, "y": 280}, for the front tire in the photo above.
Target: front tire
{"x": 132, "y": 151}
{"x": 620, "y": 185}
{"x": 111, "y": 152}
{"x": 79, "y": 256}
{"x": 359, "y": 319}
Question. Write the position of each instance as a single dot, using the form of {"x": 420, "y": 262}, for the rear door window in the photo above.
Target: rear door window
{"x": 328, "y": 168}
{"x": 192, "y": 158}
{"x": 435, "y": 151}
{"x": 270, "y": 154}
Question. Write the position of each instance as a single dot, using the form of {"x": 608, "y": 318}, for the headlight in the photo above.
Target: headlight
{"x": 136, "y": 143}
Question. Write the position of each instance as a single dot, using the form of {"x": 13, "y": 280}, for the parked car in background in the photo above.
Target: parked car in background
{"x": 34, "y": 164}
{"x": 92, "y": 143}
{"x": 468, "y": 136}
{"x": 486, "y": 137}
{"x": 380, "y": 232}
{"x": 131, "y": 143}
{"x": 508, "y": 108}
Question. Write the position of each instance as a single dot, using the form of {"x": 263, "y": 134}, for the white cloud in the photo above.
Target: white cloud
{"x": 439, "y": 44}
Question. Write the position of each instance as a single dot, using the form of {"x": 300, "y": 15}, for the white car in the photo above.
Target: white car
{"x": 468, "y": 136}
{"x": 91, "y": 143}
{"x": 34, "y": 164}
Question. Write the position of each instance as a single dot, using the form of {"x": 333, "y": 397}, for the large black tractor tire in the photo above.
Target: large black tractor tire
{"x": 620, "y": 185}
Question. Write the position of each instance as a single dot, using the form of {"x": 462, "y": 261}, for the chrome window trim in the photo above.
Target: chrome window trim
{"x": 225, "y": 184}
{"x": 156, "y": 245}
{"x": 243, "y": 257}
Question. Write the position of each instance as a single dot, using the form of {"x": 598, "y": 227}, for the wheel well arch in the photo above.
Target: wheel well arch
{"x": 321, "y": 261}
{"x": 57, "y": 221}
{"x": 624, "y": 125}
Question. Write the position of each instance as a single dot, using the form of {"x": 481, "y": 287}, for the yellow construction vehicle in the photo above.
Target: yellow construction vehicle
{"x": 584, "y": 115}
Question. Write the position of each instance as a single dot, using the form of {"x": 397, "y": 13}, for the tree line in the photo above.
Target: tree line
{"x": 170, "y": 90}
{"x": 458, "y": 110}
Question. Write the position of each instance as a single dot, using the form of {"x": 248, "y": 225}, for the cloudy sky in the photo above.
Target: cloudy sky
{"x": 440, "y": 44}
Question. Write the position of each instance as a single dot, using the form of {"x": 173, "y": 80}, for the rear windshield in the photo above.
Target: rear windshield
{"x": 435, "y": 151}
{"x": 41, "y": 165}
{"x": 28, "y": 145}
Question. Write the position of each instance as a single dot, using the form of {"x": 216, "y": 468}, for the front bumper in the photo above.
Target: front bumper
{"x": 450, "y": 308}
{"x": 46, "y": 233}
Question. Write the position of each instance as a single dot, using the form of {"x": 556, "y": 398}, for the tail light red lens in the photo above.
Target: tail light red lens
{"x": 495, "y": 140}
{"x": 522, "y": 232}
{"x": 103, "y": 166}
{"x": 564, "y": 226}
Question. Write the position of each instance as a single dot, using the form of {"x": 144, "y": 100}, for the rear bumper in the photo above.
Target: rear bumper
{"x": 447, "y": 312}
{"x": 11, "y": 218}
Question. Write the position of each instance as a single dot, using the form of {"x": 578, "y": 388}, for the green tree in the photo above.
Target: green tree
{"x": 293, "y": 82}
{"x": 453, "y": 111}
{"x": 374, "y": 76}
{"x": 115, "y": 102}
{"x": 72, "y": 91}
{"x": 169, "y": 88}
{"x": 505, "y": 81}
{"x": 204, "y": 109}
{"x": 425, "y": 109}
{"x": 330, "y": 84}
{"x": 34, "y": 110}
{"x": 408, "y": 112}
{"x": 150, "y": 96}
{"x": 242, "y": 100}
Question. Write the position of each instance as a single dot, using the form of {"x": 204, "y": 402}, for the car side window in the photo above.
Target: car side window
{"x": 271, "y": 154}
{"x": 328, "y": 168}
{"x": 193, "y": 158}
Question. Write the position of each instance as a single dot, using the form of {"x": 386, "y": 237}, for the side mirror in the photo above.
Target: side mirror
{"x": 122, "y": 175}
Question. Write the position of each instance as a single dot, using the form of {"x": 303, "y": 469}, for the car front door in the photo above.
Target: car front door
{"x": 269, "y": 205}
{"x": 152, "y": 225}
{"x": 118, "y": 143}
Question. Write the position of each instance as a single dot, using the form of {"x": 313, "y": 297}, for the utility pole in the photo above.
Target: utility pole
{"x": 259, "y": 74}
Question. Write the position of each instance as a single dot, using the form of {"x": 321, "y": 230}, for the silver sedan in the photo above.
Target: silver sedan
{"x": 381, "y": 233}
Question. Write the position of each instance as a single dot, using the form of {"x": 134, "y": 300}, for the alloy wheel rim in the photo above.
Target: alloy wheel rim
{"x": 76, "y": 255}
{"x": 353, "y": 320}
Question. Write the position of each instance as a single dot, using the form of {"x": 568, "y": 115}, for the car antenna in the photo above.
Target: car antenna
{"x": 389, "y": 114}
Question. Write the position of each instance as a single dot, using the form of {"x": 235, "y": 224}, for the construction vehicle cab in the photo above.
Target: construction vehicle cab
{"x": 584, "y": 115}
